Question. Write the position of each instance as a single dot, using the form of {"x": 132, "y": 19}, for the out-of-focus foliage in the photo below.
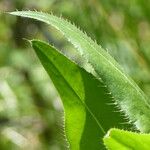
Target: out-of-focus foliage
{"x": 29, "y": 104}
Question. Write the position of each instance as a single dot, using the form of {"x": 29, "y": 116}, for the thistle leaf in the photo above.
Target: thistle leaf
{"x": 128, "y": 96}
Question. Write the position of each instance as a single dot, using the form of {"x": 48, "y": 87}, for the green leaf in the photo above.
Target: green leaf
{"x": 125, "y": 140}
{"x": 87, "y": 113}
{"x": 128, "y": 96}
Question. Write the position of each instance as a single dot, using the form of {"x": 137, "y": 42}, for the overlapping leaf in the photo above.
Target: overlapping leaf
{"x": 87, "y": 113}
{"x": 124, "y": 140}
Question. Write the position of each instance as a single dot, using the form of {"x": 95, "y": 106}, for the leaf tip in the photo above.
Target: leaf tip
{"x": 110, "y": 133}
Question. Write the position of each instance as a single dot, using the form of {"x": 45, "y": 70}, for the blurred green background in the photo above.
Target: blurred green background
{"x": 31, "y": 113}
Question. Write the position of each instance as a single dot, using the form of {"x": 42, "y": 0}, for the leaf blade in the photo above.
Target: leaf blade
{"x": 88, "y": 95}
{"x": 126, "y": 140}
{"x": 127, "y": 94}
